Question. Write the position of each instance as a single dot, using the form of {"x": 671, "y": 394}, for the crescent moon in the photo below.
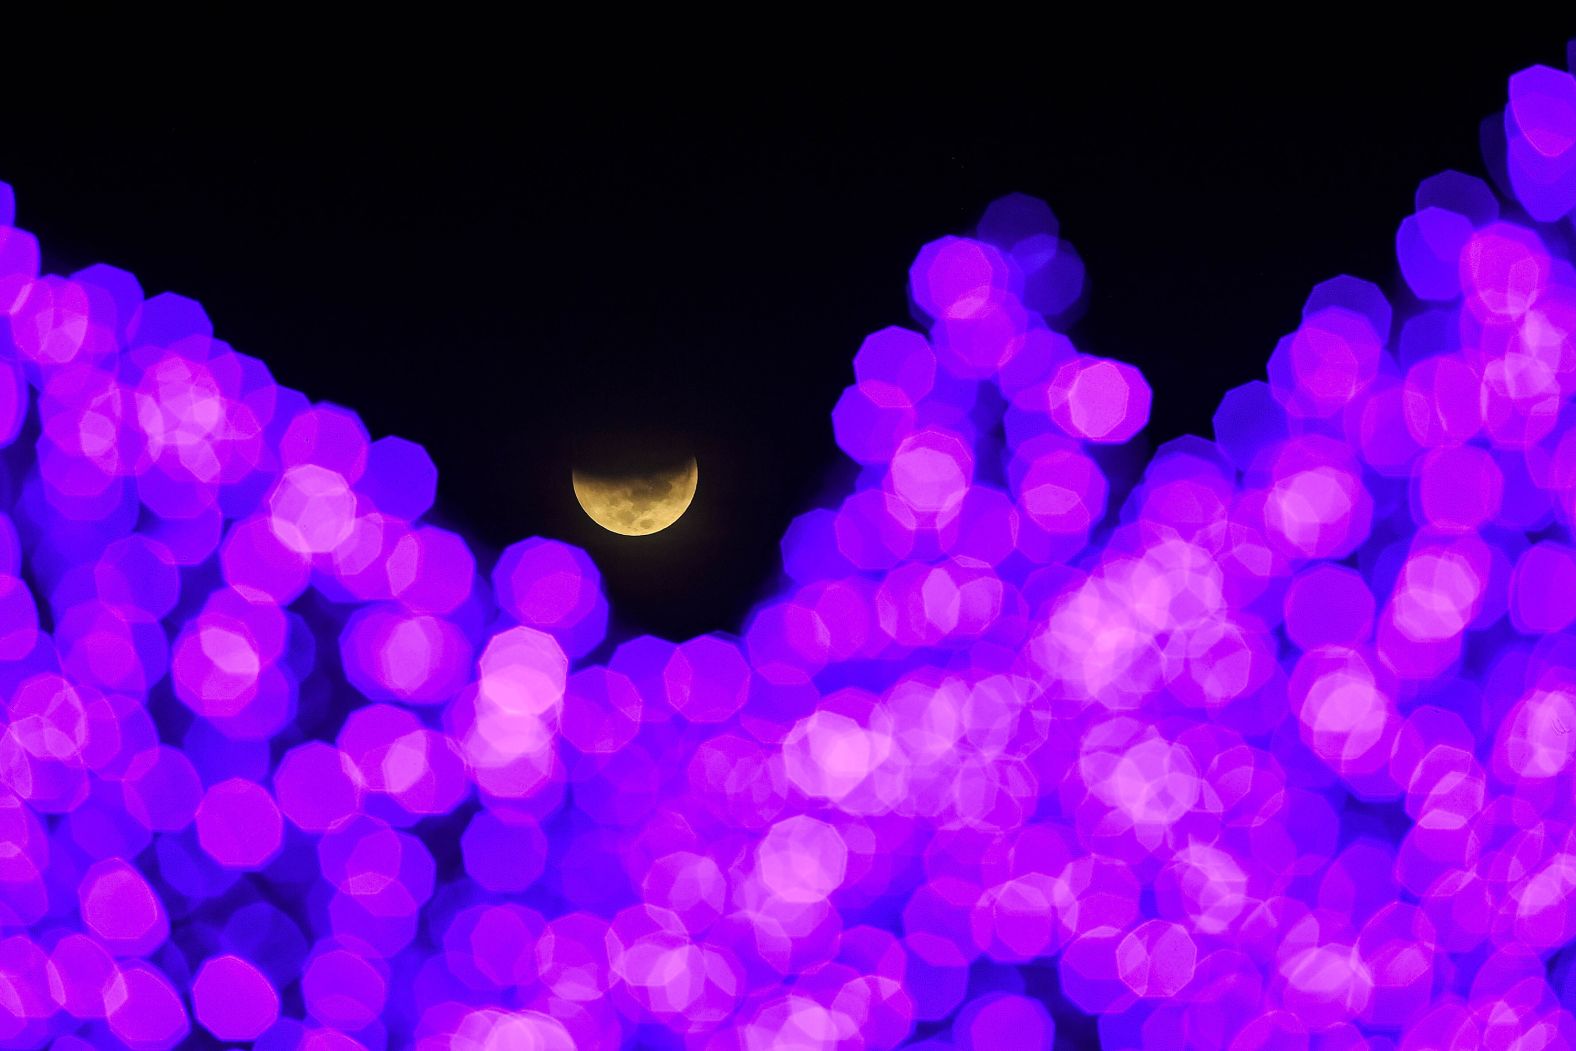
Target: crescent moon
{"x": 637, "y": 505}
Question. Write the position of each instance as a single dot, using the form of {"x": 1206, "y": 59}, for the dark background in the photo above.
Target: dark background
{"x": 504, "y": 273}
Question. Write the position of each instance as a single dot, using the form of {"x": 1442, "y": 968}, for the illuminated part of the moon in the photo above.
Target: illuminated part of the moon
{"x": 637, "y": 505}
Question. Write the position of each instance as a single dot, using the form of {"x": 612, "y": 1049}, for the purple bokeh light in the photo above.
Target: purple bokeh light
{"x": 1271, "y": 744}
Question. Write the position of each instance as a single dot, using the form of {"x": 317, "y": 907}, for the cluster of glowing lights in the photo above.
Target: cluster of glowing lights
{"x": 1270, "y": 746}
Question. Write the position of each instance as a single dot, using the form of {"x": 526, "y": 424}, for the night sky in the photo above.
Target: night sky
{"x": 517, "y": 278}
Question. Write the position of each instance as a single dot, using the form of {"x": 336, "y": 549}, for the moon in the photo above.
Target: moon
{"x": 637, "y": 504}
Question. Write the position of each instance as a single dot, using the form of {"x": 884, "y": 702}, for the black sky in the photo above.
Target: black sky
{"x": 503, "y": 274}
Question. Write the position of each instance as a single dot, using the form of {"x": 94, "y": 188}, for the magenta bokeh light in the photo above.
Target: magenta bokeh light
{"x": 233, "y": 1000}
{"x": 1267, "y": 742}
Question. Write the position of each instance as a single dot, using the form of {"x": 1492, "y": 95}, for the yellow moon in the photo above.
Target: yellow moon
{"x": 637, "y": 505}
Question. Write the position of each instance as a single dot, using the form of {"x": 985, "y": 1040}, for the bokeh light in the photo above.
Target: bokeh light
{"x": 1268, "y": 741}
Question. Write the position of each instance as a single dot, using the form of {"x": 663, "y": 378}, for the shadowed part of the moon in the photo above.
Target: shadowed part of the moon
{"x": 637, "y": 505}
